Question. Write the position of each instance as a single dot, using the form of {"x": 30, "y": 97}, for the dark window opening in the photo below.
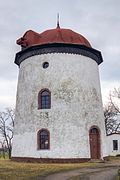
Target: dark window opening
{"x": 115, "y": 144}
{"x": 94, "y": 131}
{"x": 45, "y": 65}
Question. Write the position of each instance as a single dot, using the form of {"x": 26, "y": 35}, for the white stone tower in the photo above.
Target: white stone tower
{"x": 59, "y": 114}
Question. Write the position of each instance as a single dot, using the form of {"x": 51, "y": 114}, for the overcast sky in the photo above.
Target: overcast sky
{"x": 98, "y": 21}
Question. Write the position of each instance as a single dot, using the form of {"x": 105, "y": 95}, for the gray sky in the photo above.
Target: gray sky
{"x": 98, "y": 21}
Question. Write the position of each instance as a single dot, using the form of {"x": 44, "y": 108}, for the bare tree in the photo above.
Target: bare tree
{"x": 115, "y": 99}
{"x": 112, "y": 112}
{"x": 3, "y": 148}
{"x": 6, "y": 128}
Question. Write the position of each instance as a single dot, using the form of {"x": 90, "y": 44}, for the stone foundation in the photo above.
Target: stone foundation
{"x": 49, "y": 160}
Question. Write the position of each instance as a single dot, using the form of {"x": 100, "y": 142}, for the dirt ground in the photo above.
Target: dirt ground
{"x": 106, "y": 171}
{"x": 86, "y": 174}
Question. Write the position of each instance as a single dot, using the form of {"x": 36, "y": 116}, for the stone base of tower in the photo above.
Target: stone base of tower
{"x": 50, "y": 160}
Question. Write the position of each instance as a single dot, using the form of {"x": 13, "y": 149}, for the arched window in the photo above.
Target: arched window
{"x": 94, "y": 130}
{"x": 43, "y": 138}
{"x": 44, "y": 99}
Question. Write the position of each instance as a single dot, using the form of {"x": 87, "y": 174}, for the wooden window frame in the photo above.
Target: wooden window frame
{"x": 39, "y": 140}
{"x": 40, "y": 99}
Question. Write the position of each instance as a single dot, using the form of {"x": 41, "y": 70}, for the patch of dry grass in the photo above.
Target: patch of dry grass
{"x": 16, "y": 170}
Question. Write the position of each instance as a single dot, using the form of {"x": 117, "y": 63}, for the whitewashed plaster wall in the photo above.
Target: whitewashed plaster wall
{"x": 110, "y": 139}
{"x": 75, "y": 106}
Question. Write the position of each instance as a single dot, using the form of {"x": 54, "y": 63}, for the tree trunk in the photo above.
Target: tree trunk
{"x": 9, "y": 153}
{"x": 3, "y": 153}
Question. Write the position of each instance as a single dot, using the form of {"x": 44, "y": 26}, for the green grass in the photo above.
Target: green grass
{"x": 16, "y": 170}
{"x": 1, "y": 155}
{"x": 27, "y": 171}
{"x": 117, "y": 178}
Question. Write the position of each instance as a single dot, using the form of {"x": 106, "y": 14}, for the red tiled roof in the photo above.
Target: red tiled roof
{"x": 58, "y": 35}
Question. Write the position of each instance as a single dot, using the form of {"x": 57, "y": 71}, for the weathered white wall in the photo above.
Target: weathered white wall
{"x": 75, "y": 106}
{"x": 110, "y": 139}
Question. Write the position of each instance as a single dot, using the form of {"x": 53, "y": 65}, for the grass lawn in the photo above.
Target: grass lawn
{"x": 16, "y": 170}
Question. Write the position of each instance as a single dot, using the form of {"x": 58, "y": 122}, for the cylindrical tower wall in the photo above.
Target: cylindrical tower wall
{"x": 76, "y": 106}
